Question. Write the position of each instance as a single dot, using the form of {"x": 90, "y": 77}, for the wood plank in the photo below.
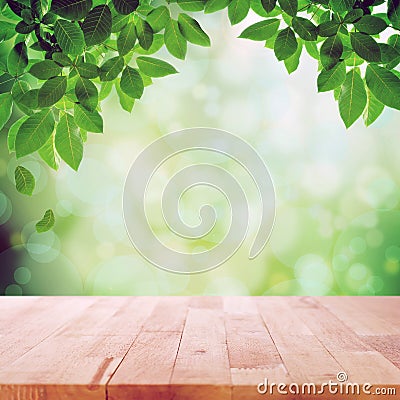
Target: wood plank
{"x": 202, "y": 368}
{"x": 249, "y": 343}
{"x": 303, "y": 355}
{"x": 241, "y": 305}
{"x": 387, "y": 345}
{"x": 387, "y": 309}
{"x": 208, "y": 348}
{"x": 78, "y": 360}
{"x": 252, "y": 352}
{"x": 358, "y": 316}
{"x": 209, "y": 302}
{"x": 343, "y": 344}
{"x": 146, "y": 370}
{"x": 34, "y": 319}
{"x": 332, "y": 332}
{"x": 169, "y": 315}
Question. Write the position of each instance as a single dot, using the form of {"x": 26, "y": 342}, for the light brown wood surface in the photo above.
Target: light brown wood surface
{"x": 200, "y": 348}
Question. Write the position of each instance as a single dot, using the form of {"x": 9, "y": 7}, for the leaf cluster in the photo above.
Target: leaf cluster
{"x": 63, "y": 58}
{"x": 344, "y": 36}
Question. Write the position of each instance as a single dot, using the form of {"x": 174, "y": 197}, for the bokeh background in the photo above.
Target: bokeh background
{"x": 337, "y": 227}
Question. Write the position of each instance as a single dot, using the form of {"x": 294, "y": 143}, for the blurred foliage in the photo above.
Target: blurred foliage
{"x": 65, "y": 56}
{"x": 337, "y": 220}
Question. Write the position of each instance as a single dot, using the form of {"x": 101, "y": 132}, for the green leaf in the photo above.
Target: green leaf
{"x": 257, "y": 7}
{"x": 16, "y": 7}
{"x": 394, "y": 41}
{"x": 353, "y": 16}
{"x": 132, "y": 83}
{"x": 191, "y": 5}
{"x": 18, "y": 91}
{"x": 192, "y": 31}
{"x": 144, "y": 33}
{"x": 7, "y": 30}
{"x": 84, "y": 135}
{"x": 331, "y": 51}
{"x": 393, "y": 12}
{"x": 61, "y": 59}
{"x": 373, "y": 110}
{"x": 292, "y": 63}
{"x": 97, "y": 25}
{"x": 289, "y": 6}
{"x": 371, "y": 25}
{"x": 17, "y": 59}
{"x": 158, "y": 42}
{"x": 69, "y": 36}
{"x": 353, "y": 98}
{"x": 87, "y": 70}
{"x": 268, "y": 5}
{"x": 86, "y": 93}
{"x": 238, "y": 10}
{"x": 119, "y": 21}
{"x": 39, "y": 8}
{"x": 262, "y": 30}
{"x": 111, "y": 68}
{"x": 12, "y": 133}
{"x": 46, "y": 223}
{"x": 90, "y": 58}
{"x": 312, "y": 49}
{"x": 52, "y": 91}
{"x": 5, "y": 108}
{"x": 213, "y": 6}
{"x": 389, "y": 55}
{"x": 365, "y": 46}
{"x": 6, "y": 82}
{"x": 34, "y": 132}
{"x": 68, "y": 101}
{"x": 384, "y": 85}
{"x": 341, "y": 6}
{"x": 48, "y": 153}
{"x": 105, "y": 90}
{"x": 45, "y": 69}
{"x": 125, "y": 7}
{"x": 154, "y": 67}
{"x": 49, "y": 19}
{"x": 126, "y": 101}
{"x": 29, "y": 99}
{"x": 158, "y": 18}
{"x": 71, "y": 9}
{"x": 331, "y": 78}
{"x": 285, "y": 44}
{"x": 24, "y": 180}
{"x": 328, "y": 28}
{"x": 88, "y": 120}
{"x": 126, "y": 39}
{"x": 145, "y": 7}
{"x": 174, "y": 41}
{"x": 305, "y": 29}
{"x": 24, "y": 28}
{"x": 26, "y": 15}
{"x": 68, "y": 141}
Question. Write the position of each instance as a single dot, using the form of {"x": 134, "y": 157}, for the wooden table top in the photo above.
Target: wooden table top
{"x": 200, "y": 348}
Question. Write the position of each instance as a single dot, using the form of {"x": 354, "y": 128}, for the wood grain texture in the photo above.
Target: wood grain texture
{"x": 200, "y": 348}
